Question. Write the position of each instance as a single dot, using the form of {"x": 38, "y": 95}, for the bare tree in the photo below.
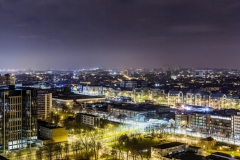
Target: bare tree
{"x": 78, "y": 146}
{"x": 86, "y": 146}
{"x": 74, "y": 148}
{"x": 58, "y": 150}
{"x": 29, "y": 155}
{"x": 49, "y": 150}
{"x": 39, "y": 153}
{"x": 95, "y": 146}
{"x": 19, "y": 155}
{"x": 9, "y": 155}
{"x": 66, "y": 149}
{"x": 114, "y": 153}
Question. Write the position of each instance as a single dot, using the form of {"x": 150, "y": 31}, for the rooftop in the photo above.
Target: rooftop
{"x": 87, "y": 114}
{"x": 48, "y": 125}
{"x": 168, "y": 145}
{"x": 186, "y": 156}
{"x": 224, "y": 156}
{"x": 72, "y": 96}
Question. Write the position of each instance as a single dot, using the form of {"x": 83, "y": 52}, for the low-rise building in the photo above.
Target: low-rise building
{"x": 133, "y": 83}
{"x": 162, "y": 109}
{"x": 88, "y": 119}
{"x": 133, "y": 112}
{"x": 195, "y": 149}
{"x": 48, "y": 131}
{"x": 167, "y": 149}
{"x": 70, "y": 99}
{"x": 92, "y": 90}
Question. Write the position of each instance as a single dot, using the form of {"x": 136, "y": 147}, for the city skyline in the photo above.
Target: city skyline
{"x": 119, "y": 34}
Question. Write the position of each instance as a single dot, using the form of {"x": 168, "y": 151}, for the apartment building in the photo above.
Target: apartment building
{"x": 236, "y": 126}
{"x": 216, "y": 100}
{"x": 202, "y": 98}
{"x": 175, "y": 97}
{"x": 190, "y": 97}
{"x": 44, "y": 104}
{"x": 88, "y": 119}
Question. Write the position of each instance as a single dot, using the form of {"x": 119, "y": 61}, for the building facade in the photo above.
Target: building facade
{"x": 92, "y": 90}
{"x": 18, "y": 119}
{"x": 7, "y": 79}
{"x": 220, "y": 125}
{"x": 199, "y": 122}
{"x": 44, "y": 102}
{"x": 181, "y": 120}
{"x": 175, "y": 97}
{"x": 88, "y": 119}
{"x": 53, "y": 133}
{"x": 166, "y": 149}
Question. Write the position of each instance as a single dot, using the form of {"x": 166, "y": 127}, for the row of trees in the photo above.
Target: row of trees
{"x": 84, "y": 148}
{"x": 136, "y": 145}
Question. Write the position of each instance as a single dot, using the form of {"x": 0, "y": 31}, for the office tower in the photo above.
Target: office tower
{"x": 7, "y": 79}
{"x": 44, "y": 102}
{"x": 18, "y": 119}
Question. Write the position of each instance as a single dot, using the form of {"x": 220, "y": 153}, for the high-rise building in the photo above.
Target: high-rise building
{"x": 18, "y": 119}
{"x": 7, "y": 79}
{"x": 44, "y": 104}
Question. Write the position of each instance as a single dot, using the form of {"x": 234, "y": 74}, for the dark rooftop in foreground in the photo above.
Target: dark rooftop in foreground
{"x": 221, "y": 156}
{"x": 86, "y": 114}
{"x": 186, "y": 156}
{"x": 3, "y": 158}
{"x": 74, "y": 96}
{"x": 47, "y": 124}
{"x": 168, "y": 145}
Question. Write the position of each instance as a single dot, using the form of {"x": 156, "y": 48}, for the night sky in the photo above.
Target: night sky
{"x": 44, "y": 34}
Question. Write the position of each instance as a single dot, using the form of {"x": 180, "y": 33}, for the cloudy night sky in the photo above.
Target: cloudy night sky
{"x": 42, "y": 34}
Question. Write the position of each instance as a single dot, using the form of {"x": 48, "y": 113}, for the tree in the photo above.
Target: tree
{"x": 133, "y": 143}
{"x": 19, "y": 155}
{"x": 74, "y": 148}
{"x": 171, "y": 124}
{"x": 147, "y": 155}
{"x": 114, "y": 153}
{"x": 39, "y": 153}
{"x": 66, "y": 148}
{"x": 162, "y": 128}
{"x": 9, "y": 155}
{"x": 123, "y": 140}
{"x": 78, "y": 146}
{"x": 86, "y": 146}
{"x": 49, "y": 150}
{"x": 95, "y": 146}
{"x": 29, "y": 155}
{"x": 58, "y": 150}
{"x": 208, "y": 142}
